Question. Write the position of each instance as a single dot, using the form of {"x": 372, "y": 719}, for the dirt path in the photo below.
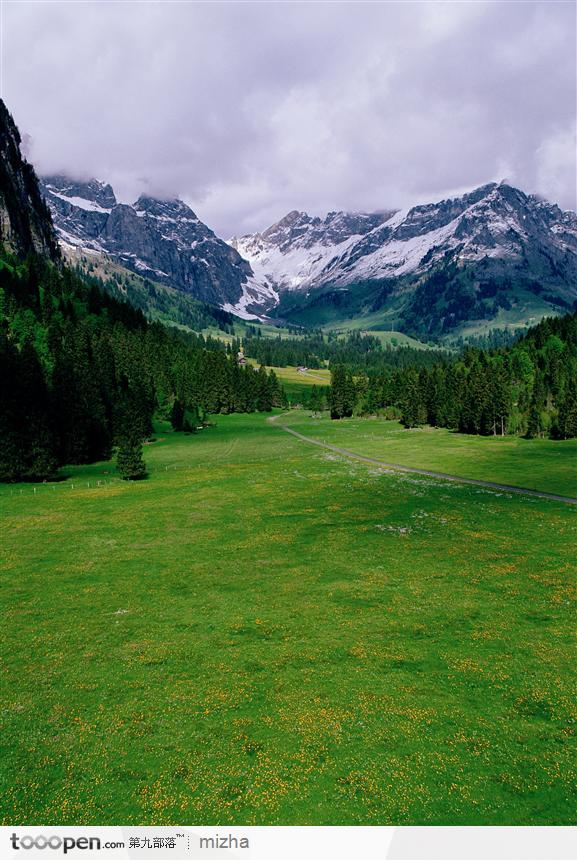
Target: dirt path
{"x": 315, "y": 376}
{"x": 396, "y": 467}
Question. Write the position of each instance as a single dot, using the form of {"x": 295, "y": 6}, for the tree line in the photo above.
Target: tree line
{"x": 82, "y": 373}
{"x": 529, "y": 388}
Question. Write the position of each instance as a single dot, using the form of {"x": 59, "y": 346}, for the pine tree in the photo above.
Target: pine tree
{"x": 534, "y": 421}
{"x": 129, "y": 461}
{"x": 316, "y": 399}
{"x": 566, "y": 427}
{"x": 264, "y": 390}
{"x": 413, "y": 408}
{"x": 12, "y": 448}
{"x": 342, "y": 393}
{"x": 177, "y": 415}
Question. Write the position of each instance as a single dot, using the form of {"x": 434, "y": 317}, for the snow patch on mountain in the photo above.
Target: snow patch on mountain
{"x": 291, "y": 269}
{"x": 256, "y": 296}
{"x": 80, "y": 202}
{"x": 397, "y": 257}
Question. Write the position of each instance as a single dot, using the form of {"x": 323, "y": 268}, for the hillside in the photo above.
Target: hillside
{"x": 528, "y": 388}
{"x": 158, "y": 302}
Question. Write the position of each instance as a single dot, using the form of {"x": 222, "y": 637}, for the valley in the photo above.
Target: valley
{"x": 236, "y": 588}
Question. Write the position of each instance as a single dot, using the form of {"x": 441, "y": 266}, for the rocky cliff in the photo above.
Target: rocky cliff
{"x": 25, "y": 222}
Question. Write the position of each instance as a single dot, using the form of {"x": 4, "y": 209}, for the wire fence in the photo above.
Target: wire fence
{"x": 72, "y": 483}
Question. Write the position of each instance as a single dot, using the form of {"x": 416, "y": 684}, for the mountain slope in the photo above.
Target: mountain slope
{"x": 159, "y": 239}
{"x": 158, "y": 302}
{"x": 492, "y": 254}
{"x": 81, "y": 371}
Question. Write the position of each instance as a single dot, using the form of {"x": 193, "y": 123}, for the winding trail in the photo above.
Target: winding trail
{"x": 443, "y": 476}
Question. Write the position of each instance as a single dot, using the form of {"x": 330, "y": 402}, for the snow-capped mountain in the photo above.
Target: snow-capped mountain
{"x": 294, "y": 252}
{"x": 482, "y": 243}
{"x": 494, "y": 221}
{"x": 162, "y": 240}
{"x": 493, "y": 254}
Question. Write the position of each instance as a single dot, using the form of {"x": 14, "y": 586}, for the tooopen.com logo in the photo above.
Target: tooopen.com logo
{"x": 66, "y": 843}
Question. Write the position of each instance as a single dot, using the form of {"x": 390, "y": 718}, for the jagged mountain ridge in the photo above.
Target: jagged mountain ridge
{"x": 496, "y": 230}
{"x": 25, "y": 222}
{"x": 494, "y": 253}
{"x": 293, "y": 252}
{"x": 162, "y": 240}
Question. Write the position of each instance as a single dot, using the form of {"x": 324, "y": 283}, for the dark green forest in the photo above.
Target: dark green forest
{"x": 82, "y": 372}
{"x": 314, "y": 348}
{"x": 529, "y": 388}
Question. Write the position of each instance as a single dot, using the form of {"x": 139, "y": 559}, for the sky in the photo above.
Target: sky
{"x": 248, "y": 110}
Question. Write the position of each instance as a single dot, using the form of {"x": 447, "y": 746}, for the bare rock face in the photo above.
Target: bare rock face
{"x": 25, "y": 222}
{"x": 159, "y": 239}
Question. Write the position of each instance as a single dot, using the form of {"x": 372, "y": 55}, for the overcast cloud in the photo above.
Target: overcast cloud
{"x": 249, "y": 110}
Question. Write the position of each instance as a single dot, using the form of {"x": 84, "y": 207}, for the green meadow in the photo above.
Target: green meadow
{"x": 537, "y": 464}
{"x": 264, "y": 632}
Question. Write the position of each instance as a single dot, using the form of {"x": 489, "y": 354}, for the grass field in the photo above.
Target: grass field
{"x": 295, "y": 383}
{"x": 539, "y": 464}
{"x": 266, "y": 633}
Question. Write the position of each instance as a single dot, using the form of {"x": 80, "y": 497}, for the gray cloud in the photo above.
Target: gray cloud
{"x": 248, "y": 110}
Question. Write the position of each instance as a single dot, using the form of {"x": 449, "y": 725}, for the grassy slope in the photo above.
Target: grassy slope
{"x": 314, "y": 376}
{"x": 385, "y": 335}
{"x": 177, "y": 307}
{"x": 178, "y": 303}
{"x": 264, "y": 633}
{"x": 539, "y": 464}
{"x": 394, "y": 338}
{"x": 240, "y": 331}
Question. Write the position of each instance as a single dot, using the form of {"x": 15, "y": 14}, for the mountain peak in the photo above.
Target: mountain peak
{"x": 494, "y": 231}
{"x": 159, "y": 239}
{"x": 77, "y": 190}
{"x": 164, "y": 208}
